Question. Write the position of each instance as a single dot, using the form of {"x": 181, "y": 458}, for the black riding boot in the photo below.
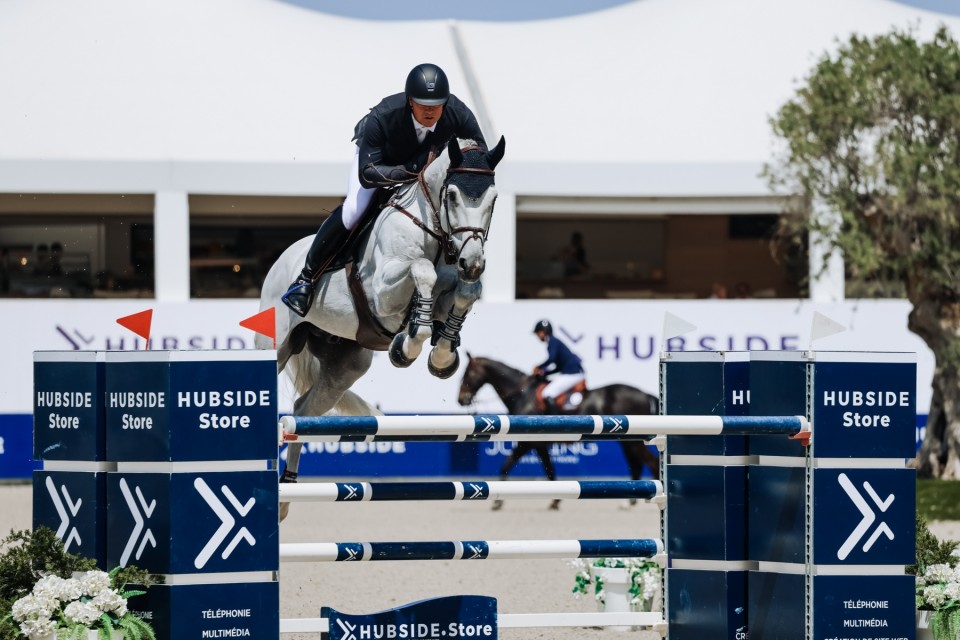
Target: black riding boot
{"x": 331, "y": 236}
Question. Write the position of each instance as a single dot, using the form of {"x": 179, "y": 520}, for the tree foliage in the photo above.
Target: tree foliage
{"x": 871, "y": 141}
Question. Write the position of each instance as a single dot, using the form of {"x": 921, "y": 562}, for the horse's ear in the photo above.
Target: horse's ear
{"x": 495, "y": 155}
{"x": 453, "y": 150}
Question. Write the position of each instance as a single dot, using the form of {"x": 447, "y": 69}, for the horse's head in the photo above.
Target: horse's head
{"x": 464, "y": 192}
{"x": 473, "y": 378}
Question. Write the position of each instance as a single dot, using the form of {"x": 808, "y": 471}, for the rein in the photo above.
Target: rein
{"x": 478, "y": 233}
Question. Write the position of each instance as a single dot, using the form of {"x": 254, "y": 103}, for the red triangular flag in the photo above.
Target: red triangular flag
{"x": 139, "y": 323}
{"x": 264, "y": 323}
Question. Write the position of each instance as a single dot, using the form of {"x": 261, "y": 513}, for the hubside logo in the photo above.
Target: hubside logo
{"x": 227, "y": 522}
{"x": 66, "y": 509}
{"x": 869, "y": 517}
{"x": 141, "y": 512}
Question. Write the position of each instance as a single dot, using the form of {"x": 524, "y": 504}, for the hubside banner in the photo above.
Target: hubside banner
{"x": 619, "y": 341}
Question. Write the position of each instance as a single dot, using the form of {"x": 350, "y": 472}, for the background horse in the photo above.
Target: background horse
{"x": 518, "y": 392}
{"x": 416, "y": 277}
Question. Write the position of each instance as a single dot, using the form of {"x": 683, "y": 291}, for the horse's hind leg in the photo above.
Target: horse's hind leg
{"x": 339, "y": 364}
{"x": 444, "y": 358}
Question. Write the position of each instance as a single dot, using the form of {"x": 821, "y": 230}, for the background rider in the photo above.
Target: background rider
{"x": 564, "y": 366}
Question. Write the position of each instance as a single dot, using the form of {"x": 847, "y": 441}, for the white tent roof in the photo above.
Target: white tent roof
{"x": 651, "y": 92}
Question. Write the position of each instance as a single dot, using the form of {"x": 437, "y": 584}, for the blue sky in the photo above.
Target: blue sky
{"x": 506, "y": 10}
{"x": 492, "y": 10}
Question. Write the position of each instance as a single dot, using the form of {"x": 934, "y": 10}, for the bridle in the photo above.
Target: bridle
{"x": 450, "y": 255}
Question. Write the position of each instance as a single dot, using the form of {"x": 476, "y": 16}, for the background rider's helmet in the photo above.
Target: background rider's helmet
{"x": 427, "y": 85}
{"x": 543, "y": 325}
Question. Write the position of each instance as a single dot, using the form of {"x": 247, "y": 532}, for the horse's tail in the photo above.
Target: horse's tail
{"x": 350, "y": 404}
{"x": 297, "y": 361}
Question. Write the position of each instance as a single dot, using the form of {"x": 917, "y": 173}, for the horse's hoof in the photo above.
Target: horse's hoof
{"x": 497, "y": 505}
{"x": 396, "y": 353}
{"x": 555, "y": 505}
{"x": 284, "y": 510}
{"x": 446, "y": 372}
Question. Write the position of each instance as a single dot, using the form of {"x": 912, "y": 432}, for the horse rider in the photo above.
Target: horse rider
{"x": 565, "y": 366}
{"x": 394, "y": 142}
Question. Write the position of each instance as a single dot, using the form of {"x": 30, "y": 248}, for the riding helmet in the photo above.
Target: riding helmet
{"x": 427, "y": 85}
{"x": 543, "y": 325}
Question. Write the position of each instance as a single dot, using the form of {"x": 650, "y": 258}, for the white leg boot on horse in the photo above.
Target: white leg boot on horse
{"x": 444, "y": 359}
{"x": 407, "y": 345}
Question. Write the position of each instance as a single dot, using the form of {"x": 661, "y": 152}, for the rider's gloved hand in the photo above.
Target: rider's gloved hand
{"x": 403, "y": 173}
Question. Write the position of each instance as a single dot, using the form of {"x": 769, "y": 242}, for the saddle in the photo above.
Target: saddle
{"x": 371, "y": 334}
{"x": 350, "y": 251}
{"x": 568, "y": 401}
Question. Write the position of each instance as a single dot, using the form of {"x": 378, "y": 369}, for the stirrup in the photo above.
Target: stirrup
{"x": 299, "y": 297}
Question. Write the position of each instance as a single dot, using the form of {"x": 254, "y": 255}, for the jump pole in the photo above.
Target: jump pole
{"x": 651, "y": 490}
{"x": 563, "y": 428}
{"x": 469, "y": 550}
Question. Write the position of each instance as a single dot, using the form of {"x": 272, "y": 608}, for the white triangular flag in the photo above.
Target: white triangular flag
{"x": 674, "y": 326}
{"x": 823, "y": 327}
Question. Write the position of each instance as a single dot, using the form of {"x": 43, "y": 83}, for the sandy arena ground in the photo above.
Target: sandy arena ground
{"x": 521, "y": 586}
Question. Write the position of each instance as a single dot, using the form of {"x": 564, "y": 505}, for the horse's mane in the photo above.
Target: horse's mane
{"x": 501, "y": 367}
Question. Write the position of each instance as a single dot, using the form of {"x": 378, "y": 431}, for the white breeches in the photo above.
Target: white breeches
{"x": 561, "y": 382}
{"x": 358, "y": 196}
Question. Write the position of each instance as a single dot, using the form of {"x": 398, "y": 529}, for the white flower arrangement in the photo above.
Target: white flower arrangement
{"x": 644, "y": 576}
{"x": 71, "y": 607}
{"x": 938, "y": 590}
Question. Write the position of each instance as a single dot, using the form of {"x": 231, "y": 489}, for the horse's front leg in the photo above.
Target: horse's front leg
{"x": 444, "y": 358}
{"x": 407, "y": 345}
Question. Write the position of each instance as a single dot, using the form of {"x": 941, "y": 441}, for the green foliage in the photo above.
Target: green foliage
{"x": 871, "y": 142}
{"x": 945, "y": 624}
{"x": 26, "y": 556}
{"x": 930, "y": 550}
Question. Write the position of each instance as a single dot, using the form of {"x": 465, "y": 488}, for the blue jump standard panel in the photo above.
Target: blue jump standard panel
{"x": 68, "y": 409}
{"x": 195, "y": 496}
{"x": 74, "y": 505}
{"x": 705, "y": 527}
{"x": 191, "y": 406}
{"x": 186, "y": 523}
{"x": 832, "y": 531}
{"x": 69, "y": 438}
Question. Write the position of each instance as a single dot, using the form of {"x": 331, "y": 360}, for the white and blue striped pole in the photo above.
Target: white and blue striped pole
{"x": 468, "y": 550}
{"x": 556, "y": 428}
{"x": 471, "y": 490}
